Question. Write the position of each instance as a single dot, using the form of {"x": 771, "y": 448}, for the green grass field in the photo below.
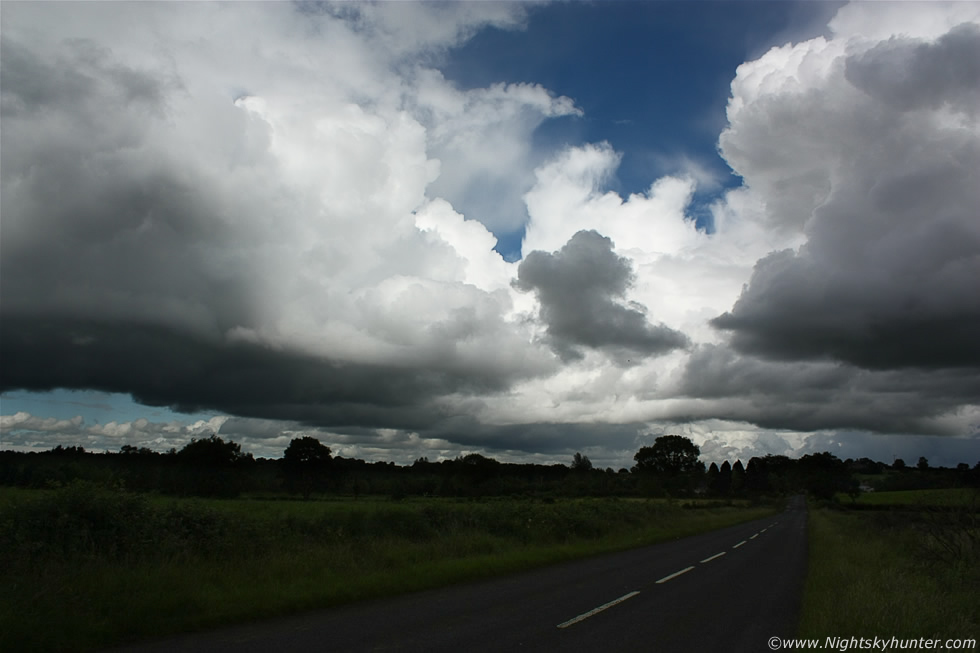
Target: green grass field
{"x": 885, "y": 575}
{"x": 939, "y": 497}
{"x": 87, "y": 567}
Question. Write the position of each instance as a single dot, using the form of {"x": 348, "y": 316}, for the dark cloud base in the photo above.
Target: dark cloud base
{"x": 161, "y": 367}
{"x": 809, "y": 396}
{"x": 882, "y": 345}
{"x": 540, "y": 437}
{"x": 278, "y": 390}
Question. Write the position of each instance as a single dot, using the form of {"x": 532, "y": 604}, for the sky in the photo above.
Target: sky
{"x": 525, "y": 230}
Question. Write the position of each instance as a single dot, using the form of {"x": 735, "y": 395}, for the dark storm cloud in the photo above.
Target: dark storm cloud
{"x": 581, "y": 288}
{"x": 795, "y": 310}
{"x": 165, "y": 367}
{"x": 95, "y": 221}
{"x": 540, "y": 437}
{"x": 811, "y": 396}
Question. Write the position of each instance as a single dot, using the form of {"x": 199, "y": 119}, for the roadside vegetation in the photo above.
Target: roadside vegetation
{"x": 900, "y": 564}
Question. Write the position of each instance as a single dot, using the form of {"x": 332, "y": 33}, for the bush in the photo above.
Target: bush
{"x": 77, "y": 521}
{"x": 83, "y": 521}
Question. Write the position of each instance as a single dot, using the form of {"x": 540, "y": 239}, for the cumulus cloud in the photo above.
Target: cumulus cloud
{"x": 25, "y": 421}
{"x": 871, "y": 154}
{"x": 482, "y": 138}
{"x": 202, "y": 223}
{"x": 23, "y": 431}
{"x": 581, "y": 289}
{"x": 911, "y": 74}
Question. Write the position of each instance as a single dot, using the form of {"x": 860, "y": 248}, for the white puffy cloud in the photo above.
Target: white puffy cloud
{"x": 24, "y": 431}
{"x": 482, "y": 138}
{"x": 25, "y": 421}
{"x": 865, "y": 23}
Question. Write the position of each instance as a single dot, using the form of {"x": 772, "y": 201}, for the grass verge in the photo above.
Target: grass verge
{"x": 876, "y": 575}
{"x": 88, "y": 567}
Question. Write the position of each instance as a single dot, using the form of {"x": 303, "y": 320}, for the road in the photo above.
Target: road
{"x": 728, "y": 590}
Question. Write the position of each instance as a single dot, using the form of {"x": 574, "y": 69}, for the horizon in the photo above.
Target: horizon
{"x": 73, "y": 449}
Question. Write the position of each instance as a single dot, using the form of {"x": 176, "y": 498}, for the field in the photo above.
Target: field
{"x": 915, "y": 498}
{"x": 87, "y": 567}
{"x": 906, "y": 566}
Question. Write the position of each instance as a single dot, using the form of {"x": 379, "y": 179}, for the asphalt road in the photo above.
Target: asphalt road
{"x": 728, "y": 590}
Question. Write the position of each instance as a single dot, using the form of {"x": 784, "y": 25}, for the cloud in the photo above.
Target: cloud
{"x": 25, "y": 421}
{"x": 208, "y": 224}
{"x": 568, "y": 196}
{"x": 404, "y": 30}
{"x": 809, "y": 396}
{"x": 159, "y": 366}
{"x": 581, "y": 288}
{"x": 911, "y": 74}
{"x": 482, "y": 139}
{"x": 868, "y": 24}
{"x": 871, "y": 154}
{"x": 940, "y": 452}
{"x": 23, "y": 431}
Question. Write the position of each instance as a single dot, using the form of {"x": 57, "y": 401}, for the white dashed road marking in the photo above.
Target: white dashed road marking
{"x": 674, "y": 575}
{"x": 590, "y": 613}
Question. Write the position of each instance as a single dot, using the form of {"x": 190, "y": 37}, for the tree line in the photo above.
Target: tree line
{"x": 214, "y": 467}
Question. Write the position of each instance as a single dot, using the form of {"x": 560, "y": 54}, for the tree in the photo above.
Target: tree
{"x": 711, "y": 477}
{"x": 722, "y": 484}
{"x": 130, "y": 450}
{"x": 824, "y": 474}
{"x": 476, "y": 470}
{"x": 672, "y": 461}
{"x": 211, "y": 467}
{"x": 756, "y": 475}
{"x": 738, "y": 477}
{"x": 211, "y": 452}
{"x": 923, "y": 463}
{"x": 581, "y": 463}
{"x": 306, "y": 451}
{"x": 305, "y": 464}
{"x": 670, "y": 454}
